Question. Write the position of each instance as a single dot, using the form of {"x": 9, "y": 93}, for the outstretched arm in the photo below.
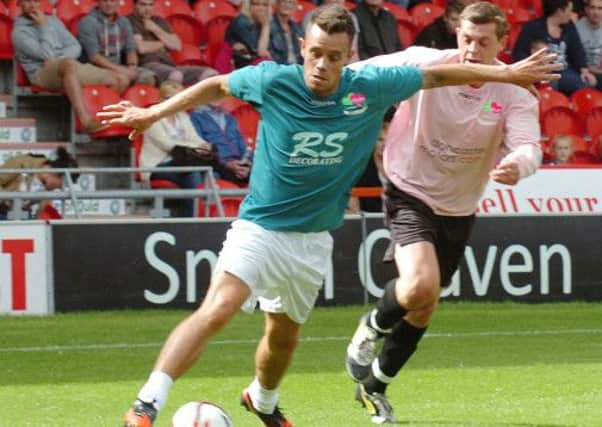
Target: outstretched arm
{"x": 139, "y": 119}
{"x": 537, "y": 67}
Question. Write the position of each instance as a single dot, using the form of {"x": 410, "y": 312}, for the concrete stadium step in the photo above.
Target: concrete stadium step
{"x": 18, "y": 130}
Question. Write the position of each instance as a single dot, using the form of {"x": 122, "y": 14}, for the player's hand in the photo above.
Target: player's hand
{"x": 126, "y": 114}
{"x": 506, "y": 173}
{"x": 39, "y": 17}
{"x": 536, "y": 68}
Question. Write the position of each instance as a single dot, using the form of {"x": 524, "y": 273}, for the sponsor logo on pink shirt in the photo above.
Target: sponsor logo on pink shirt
{"x": 492, "y": 107}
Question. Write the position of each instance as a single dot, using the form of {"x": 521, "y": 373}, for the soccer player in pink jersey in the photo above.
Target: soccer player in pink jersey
{"x": 442, "y": 147}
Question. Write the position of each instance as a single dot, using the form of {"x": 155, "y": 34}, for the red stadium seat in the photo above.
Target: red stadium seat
{"x": 517, "y": 15}
{"x": 95, "y": 97}
{"x": 585, "y": 100}
{"x": 189, "y": 55}
{"x": 561, "y": 121}
{"x": 14, "y": 10}
{"x": 6, "y": 44}
{"x": 425, "y": 13}
{"x": 66, "y": 10}
{"x": 188, "y": 29}
{"x": 303, "y": 6}
{"x": 550, "y": 98}
{"x": 248, "y": 121}
{"x": 3, "y": 9}
{"x": 230, "y": 204}
{"x": 513, "y": 33}
{"x": 142, "y": 95}
{"x": 126, "y": 7}
{"x": 165, "y": 8}
{"x": 208, "y": 10}
{"x": 407, "y": 33}
{"x": 350, "y": 5}
{"x": 216, "y": 30}
{"x": 400, "y": 13}
{"x": 535, "y": 7}
{"x": 593, "y": 122}
{"x": 73, "y": 24}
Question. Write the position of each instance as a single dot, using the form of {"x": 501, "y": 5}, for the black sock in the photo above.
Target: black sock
{"x": 388, "y": 310}
{"x": 397, "y": 349}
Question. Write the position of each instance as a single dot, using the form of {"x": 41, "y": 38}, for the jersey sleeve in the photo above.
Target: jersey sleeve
{"x": 248, "y": 83}
{"x": 415, "y": 55}
{"x": 398, "y": 83}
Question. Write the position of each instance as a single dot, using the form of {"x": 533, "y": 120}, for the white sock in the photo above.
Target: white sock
{"x": 156, "y": 389}
{"x": 264, "y": 400}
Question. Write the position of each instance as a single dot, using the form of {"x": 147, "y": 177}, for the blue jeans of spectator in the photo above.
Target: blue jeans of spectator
{"x": 187, "y": 180}
{"x": 570, "y": 81}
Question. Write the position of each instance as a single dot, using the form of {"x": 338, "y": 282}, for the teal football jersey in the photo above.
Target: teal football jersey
{"x": 310, "y": 149}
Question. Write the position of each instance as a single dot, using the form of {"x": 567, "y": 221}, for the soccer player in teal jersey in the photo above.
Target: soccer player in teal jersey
{"x": 318, "y": 129}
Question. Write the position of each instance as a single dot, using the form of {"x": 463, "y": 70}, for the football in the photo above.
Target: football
{"x": 200, "y": 414}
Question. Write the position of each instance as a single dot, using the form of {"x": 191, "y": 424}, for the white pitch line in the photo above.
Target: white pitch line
{"x": 113, "y": 346}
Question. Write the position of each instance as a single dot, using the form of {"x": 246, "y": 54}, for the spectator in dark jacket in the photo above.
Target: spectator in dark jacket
{"x": 285, "y": 34}
{"x": 441, "y": 33}
{"x": 561, "y": 36}
{"x": 378, "y": 30}
{"x": 249, "y": 32}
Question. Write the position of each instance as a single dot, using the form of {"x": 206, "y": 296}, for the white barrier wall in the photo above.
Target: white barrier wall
{"x": 25, "y": 287}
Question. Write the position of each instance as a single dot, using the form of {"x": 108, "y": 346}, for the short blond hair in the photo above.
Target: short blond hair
{"x": 486, "y": 13}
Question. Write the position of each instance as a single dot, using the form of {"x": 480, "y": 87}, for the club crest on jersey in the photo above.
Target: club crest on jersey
{"x": 354, "y": 103}
{"x": 492, "y": 107}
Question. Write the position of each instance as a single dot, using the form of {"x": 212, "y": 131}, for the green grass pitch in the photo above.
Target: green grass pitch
{"x": 479, "y": 365}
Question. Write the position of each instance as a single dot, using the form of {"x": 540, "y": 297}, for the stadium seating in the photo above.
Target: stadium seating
{"x": 230, "y": 204}
{"x": 126, "y": 7}
{"x": 6, "y": 46}
{"x": 550, "y": 98}
{"x": 535, "y": 7}
{"x": 399, "y": 12}
{"x": 142, "y": 95}
{"x": 593, "y": 123}
{"x": 136, "y": 146}
{"x": 95, "y": 97}
{"x": 189, "y": 54}
{"x": 407, "y": 33}
{"x": 585, "y": 100}
{"x": 23, "y": 87}
{"x": 561, "y": 121}
{"x": 517, "y": 15}
{"x": 73, "y": 24}
{"x": 67, "y": 10}
{"x": 187, "y": 28}
{"x": 3, "y": 9}
{"x": 14, "y": 10}
{"x": 166, "y": 8}
{"x": 216, "y": 30}
{"x": 513, "y": 33}
{"x": 303, "y": 6}
{"x": 424, "y": 13}
{"x": 209, "y": 10}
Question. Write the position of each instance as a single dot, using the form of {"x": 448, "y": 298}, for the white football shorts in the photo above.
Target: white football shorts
{"x": 284, "y": 270}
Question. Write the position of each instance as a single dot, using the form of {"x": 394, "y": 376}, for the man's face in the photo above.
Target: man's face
{"x": 29, "y": 6}
{"x": 325, "y": 56}
{"x": 452, "y": 21}
{"x": 108, "y": 7}
{"x": 563, "y": 150}
{"x": 593, "y": 10}
{"x": 144, "y": 8}
{"x": 259, "y": 8}
{"x": 478, "y": 43}
{"x": 286, "y": 7}
{"x": 565, "y": 15}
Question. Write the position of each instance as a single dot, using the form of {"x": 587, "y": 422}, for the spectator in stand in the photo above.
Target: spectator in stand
{"x": 46, "y": 181}
{"x": 378, "y": 30}
{"x": 166, "y": 143}
{"x": 441, "y": 33}
{"x": 562, "y": 150}
{"x": 535, "y": 46}
{"x": 308, "y": 16}
{"x": 249, "y": 32}
{"x": 560, "y": 34}
{"x": 285, "y": 34}
{"x": 590, "y": 31}
{"x": 220, "y": 129}
{"x": 154, "y": 39}
{"x": 107, "y": 39}
{"x": 48, "y": 53}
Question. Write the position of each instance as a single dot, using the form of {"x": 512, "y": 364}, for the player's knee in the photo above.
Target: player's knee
{"x": 216, "y": 314}
{"x": 417, "y": 291}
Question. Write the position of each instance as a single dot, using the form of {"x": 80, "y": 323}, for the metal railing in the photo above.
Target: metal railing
{"x": 211, "y": 192}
